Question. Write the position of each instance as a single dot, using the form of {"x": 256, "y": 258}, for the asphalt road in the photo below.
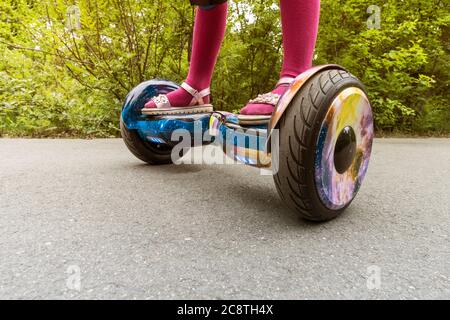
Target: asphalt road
{"x": 85, "y": 219}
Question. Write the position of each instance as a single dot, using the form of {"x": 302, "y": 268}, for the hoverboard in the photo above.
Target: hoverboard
{"x": 318, "y": 141}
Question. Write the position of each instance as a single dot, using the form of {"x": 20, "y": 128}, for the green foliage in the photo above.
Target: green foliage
{"x": 61, "y": 78}
{"x": 404, "y": 63}
{"x": 41, "y": 100}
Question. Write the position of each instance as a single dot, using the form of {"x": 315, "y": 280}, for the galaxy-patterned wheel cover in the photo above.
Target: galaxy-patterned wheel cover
{"x": 351, "y": 108}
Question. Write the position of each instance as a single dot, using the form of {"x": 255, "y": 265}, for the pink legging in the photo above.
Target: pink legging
{"x": 300, "y": 20}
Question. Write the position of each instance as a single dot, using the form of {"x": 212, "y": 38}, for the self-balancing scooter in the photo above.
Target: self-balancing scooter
{"x": 318, "y": 140}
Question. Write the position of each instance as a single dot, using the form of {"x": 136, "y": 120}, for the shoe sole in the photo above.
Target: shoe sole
{"x": 172, "y": 111}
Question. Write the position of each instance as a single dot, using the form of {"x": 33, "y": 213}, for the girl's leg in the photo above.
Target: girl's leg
{"x": 209, "y": 31}
{"x": 300, "y": 22}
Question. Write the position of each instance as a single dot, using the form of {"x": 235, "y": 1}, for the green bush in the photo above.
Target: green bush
{"x": 58, "y": 78}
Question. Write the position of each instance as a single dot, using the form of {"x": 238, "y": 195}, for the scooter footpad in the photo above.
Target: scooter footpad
{"x": 253, "y": 120}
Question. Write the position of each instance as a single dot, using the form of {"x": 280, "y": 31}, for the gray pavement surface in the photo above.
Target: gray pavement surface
{"x": 88, "y": 210}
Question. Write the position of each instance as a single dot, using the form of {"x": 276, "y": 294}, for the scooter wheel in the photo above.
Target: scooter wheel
{"x": 152, "y": 153}
{"x": 325, "y": 143}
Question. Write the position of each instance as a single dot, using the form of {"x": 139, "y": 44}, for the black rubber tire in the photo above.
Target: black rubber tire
{"x": 150, "y": 153}
{"x": 299, "y": 130}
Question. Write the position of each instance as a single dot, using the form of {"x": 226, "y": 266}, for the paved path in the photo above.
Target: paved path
{"x": 198, "y": 231}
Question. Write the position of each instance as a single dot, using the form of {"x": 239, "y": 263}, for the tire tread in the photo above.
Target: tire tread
{"x": 298, "y": 126}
